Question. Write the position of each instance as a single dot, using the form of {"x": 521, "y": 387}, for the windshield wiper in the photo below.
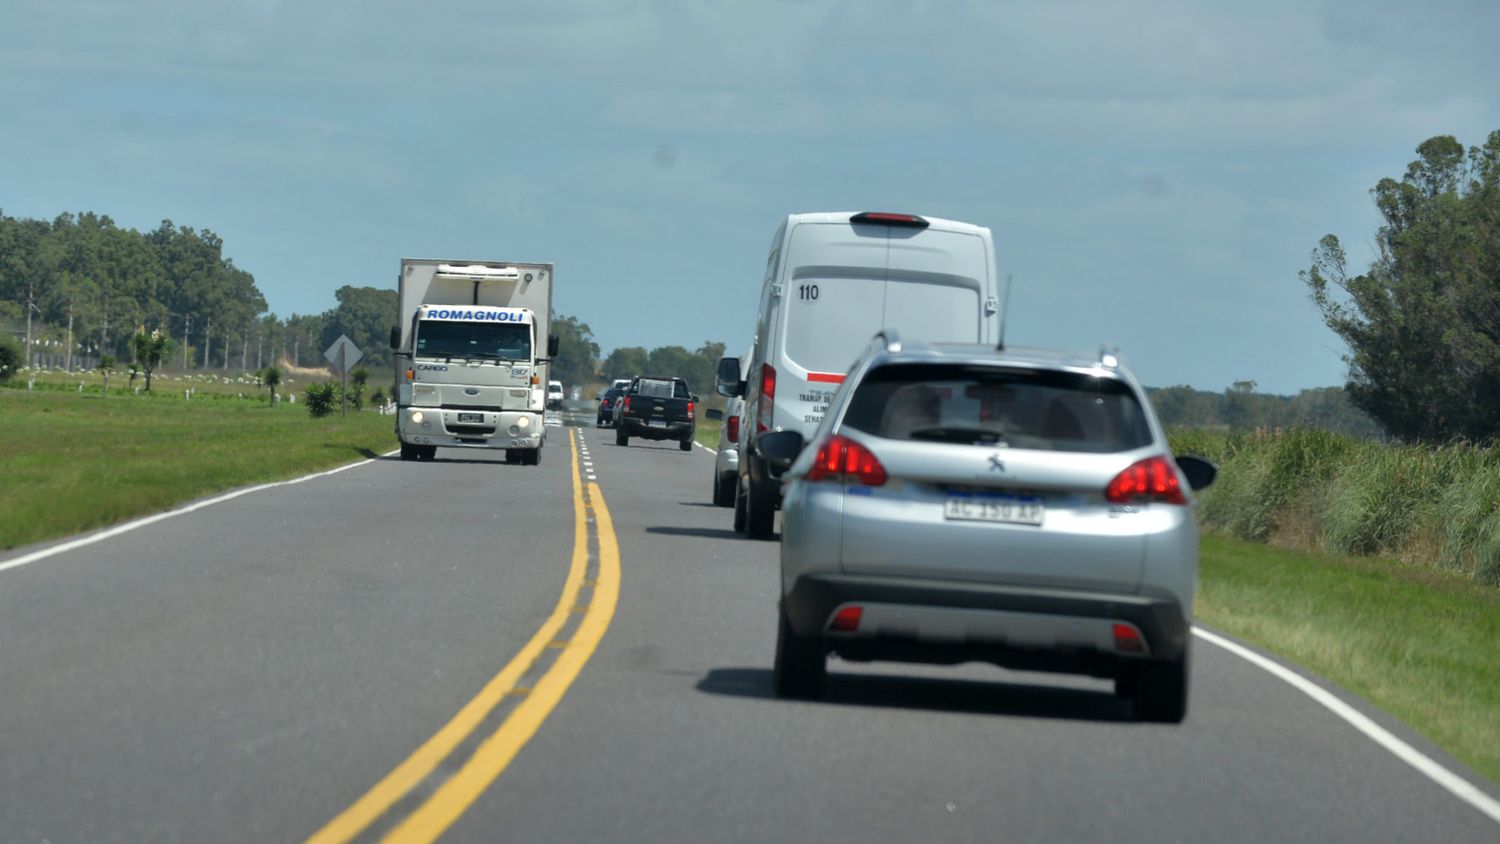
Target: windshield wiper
{"x": 982, "y": 436}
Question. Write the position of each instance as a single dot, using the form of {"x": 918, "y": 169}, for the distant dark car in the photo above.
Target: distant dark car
{"x": 656, "y": 408}
{"x": 607, "y": 407}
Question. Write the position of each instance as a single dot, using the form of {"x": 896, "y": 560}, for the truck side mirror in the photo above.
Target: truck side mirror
{"x": 552, "y": 345}
{"x": 395, "y": 336}
{"x": 727, "y": 380}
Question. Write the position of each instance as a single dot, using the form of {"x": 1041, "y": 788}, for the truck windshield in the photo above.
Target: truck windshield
{"x": 450, "y": 338}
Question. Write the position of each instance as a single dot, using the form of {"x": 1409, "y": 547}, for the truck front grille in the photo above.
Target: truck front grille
{"x": 472, "y": 407}
{"x": 470, "y": 430}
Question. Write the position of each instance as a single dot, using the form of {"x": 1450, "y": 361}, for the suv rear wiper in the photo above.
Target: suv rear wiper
{"x": 982, "y": 436}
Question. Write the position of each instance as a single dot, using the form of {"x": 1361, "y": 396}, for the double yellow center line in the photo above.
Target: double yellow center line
{"x": 591, "y": 590}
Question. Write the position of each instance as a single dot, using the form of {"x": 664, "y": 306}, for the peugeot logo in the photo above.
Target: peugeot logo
{"x": 471, "y": 392}
{"x": 996, "y": 464}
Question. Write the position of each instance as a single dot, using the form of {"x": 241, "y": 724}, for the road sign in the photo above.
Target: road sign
{"x": 343, "y": 354}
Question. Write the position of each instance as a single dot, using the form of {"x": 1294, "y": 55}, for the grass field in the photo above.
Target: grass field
{"x": 1417, "y": 642}
{"x": 75, "y": 462}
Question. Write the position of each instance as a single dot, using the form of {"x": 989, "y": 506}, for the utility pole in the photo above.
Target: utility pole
{"x": 69, "y": 358}
{"x": 30, "y": 309}
{"x": 187, "y": 333}
{"x": 207, "y": 341}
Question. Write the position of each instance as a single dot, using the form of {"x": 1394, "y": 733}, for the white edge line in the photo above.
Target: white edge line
{"x": 1460, "y": 787}
{"x": 110, "y": 533}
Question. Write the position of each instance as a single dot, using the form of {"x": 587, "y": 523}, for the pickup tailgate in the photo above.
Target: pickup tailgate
{"x": 663, "y": 404}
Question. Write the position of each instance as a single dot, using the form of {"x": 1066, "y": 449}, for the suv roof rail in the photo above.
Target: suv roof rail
{"x": 888, "y": 338}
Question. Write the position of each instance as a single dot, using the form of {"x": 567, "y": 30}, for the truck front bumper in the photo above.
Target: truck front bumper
{"x": 458, "y": 428}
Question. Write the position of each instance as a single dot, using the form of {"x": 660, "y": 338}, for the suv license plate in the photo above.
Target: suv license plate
{"x": 471, "y": 417}
{"x": 657, "y": 423}
{"x": 1007, "y": 510}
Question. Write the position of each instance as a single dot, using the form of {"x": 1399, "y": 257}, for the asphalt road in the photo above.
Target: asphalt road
{"x": 252, "y": 670}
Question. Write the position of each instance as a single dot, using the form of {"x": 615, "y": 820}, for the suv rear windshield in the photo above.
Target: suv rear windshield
{"x": 652, "y": 388}
{"x": 988, "y": 405}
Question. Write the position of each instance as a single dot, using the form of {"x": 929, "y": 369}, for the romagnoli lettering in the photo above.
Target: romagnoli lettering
{"x": 474, "y": 315}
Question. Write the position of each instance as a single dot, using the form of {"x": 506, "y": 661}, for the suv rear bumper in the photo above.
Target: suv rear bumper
{"x": 943, "y": 621}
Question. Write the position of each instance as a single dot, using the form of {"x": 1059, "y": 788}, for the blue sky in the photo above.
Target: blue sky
{"x": 1155, "y": 174}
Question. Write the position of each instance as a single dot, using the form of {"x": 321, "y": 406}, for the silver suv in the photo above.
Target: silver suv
{"x": 1017, "y": 506}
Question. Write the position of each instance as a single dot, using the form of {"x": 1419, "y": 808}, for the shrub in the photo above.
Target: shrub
{"x": 357, "y": 380}
{"x": 322, "y": 399}
{"x": 10, "y": 358}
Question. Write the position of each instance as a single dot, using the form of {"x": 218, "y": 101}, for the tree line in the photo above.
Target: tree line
{"x": 1241, "y": 408}
{"x": 79, "y": 287}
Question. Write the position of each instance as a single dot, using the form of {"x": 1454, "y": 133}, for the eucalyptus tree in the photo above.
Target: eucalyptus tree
{"x": 1423, "y": 323}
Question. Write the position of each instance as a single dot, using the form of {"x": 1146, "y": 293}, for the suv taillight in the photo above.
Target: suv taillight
{"x": 732, "y": 429}
{"x": 767, "y": 398}
{"x": 625, "y": 406}
{"x": 846, "y": 461}
{"x": 1152, "y": 479}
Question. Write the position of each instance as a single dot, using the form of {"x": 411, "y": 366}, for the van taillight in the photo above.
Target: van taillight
{"x": 846, "y": 461}
{"x": 767, "y": 398}
{"x": 733, "y": 429}
{"x": 1152, "y": 479}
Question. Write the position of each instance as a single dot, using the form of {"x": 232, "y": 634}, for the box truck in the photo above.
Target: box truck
{"x": 473, "y": 342}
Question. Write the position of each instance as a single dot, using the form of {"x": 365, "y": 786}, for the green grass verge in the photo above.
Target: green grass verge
{"x": 72, "y": 463}
{"x": 707, "y": 432}
{"x": 1417, "y": 642}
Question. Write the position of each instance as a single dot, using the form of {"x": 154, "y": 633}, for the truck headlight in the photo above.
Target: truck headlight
{"x": 417, "y": 417}
{"x": 523, "y": 423}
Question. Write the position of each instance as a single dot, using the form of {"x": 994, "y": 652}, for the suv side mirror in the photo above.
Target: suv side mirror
{"x": 693, "y": 397}
{"x": 553, "y": 345}
{"x": 395, "y": 336}
{"x": 779, "y": 448}
{"x": 1199, "y": 472}
{"x": 727, "y": 380}
{"x": 714, "y": 413}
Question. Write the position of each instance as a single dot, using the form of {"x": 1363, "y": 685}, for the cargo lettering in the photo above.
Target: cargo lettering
{"x": 476, "y": 316}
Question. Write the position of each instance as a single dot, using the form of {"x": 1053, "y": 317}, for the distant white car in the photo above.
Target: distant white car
{"x": 554, "y": 395}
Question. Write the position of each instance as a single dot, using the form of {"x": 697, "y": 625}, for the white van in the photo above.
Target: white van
{"x": 831, "y": 281}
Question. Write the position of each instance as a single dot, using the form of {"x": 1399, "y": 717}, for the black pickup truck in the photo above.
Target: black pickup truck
{"x": 656, "y": 408}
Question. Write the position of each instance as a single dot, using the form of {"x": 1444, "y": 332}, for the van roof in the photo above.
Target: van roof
{"x": 844, "y": 217}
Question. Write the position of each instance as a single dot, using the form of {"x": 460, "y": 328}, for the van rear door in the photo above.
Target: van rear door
{"x": 938, "y": 284}
{"x": 832, "y": 300}
{"x": 846, "y": 281}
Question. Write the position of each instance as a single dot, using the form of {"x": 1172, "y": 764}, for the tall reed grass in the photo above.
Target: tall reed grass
{"x": 1316, "y": 490}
